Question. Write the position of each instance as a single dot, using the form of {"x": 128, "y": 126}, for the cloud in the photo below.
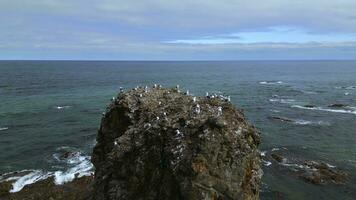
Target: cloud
{"x": 272, "y": 35}
{"x": 184, "y": 28}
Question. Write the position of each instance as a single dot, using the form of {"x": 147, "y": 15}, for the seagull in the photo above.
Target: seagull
{"x": 146, "y": 89}
{"x": 228, "y": 98}
{"x": 197, "y": 109}
{"x": 219, "y": 110}
{"x": 177, "y": 87}
{"x": 159, "y": 86}
{"x": 207, "y": 95}
{"x": 121, "y": 89}
{"x": 178, "y": 133}
{"x": 140, "y": 95}
{"x": 194, "y": 99}
{"x": 187, "y": 93}
{"x": 155, "y": 85}
{"x": 113, "y": 99}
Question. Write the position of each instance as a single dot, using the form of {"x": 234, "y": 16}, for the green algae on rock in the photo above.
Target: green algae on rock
{"x": 162, "y": 144}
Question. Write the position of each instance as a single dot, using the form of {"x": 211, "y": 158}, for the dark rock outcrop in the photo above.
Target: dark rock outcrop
{"x": 309, "y": 106}
{"x": 162, "y": 144}
{"x": 78, "y": 189}
{"x": 321, "y": 173}
{"x": 318, "y": 173}
{"x": 337, "y": 105}
{"x": 282, "y": 119}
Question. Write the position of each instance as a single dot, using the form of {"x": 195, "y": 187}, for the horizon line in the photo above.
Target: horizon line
{"x": 172, "y": 60}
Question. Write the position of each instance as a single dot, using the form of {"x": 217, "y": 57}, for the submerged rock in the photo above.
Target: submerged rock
{"x": 309, "y": 106}
{"x": 283, "y": 119}
{"x": 277, "y": 157}
{"x": 319, "y": 173}
{"x": 322, "y": 173}
{"x": 337, "y": 105}
{"x": 162, "y": 144}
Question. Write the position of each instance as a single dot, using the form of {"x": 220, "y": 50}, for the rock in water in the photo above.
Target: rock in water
{"x": 155, "y": 146}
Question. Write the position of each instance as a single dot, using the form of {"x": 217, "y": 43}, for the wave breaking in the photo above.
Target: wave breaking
{"x": 346, "y": 110}
{"x": 79, "y": 166}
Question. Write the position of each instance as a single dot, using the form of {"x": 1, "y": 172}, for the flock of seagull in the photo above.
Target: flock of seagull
{"x": 197, "y": 108}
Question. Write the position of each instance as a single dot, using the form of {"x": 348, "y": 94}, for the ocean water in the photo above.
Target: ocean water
{"x": 51, "y": 107}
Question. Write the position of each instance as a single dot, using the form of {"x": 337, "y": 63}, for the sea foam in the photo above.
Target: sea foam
{"x": 30, "y": 178}
{"x": 284, "y": 101}
{"x": 271, "y": 82}
{"x": 80, "y": 166}
{"x": 351, "y": 110}
{"x": 62, "y": 107}
{"x": 83, "y": 167}
{"x": 3, "y": 128}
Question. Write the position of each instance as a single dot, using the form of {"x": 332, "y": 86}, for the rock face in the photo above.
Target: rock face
{"x": 161, "y": 144}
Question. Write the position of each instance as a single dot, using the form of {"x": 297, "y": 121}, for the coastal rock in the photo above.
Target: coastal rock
{"x": 337, "y": 105}
{"x": 318, "y": 173}
{"x": 309, "y": 106}
{"x": 322, "y": 173}
{"x": 162, "y": 144}
{"x": 283, "y": 119}
{"x": 277, "y": 157}
{"x": 78, "y": 189}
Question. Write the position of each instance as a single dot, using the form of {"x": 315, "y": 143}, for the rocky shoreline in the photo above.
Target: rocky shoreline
{"x": 78, "y": 189}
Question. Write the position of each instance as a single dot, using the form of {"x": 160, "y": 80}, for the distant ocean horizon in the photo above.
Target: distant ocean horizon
{"x": 53, "y": 106}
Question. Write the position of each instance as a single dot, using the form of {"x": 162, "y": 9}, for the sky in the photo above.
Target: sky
{"x": 177, "y": 30}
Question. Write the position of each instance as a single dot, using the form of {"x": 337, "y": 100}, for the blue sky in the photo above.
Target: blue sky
{"x": 177, "y": 29}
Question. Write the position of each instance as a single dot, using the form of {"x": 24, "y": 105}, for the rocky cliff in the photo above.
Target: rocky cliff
{"x": 157, "y": 143}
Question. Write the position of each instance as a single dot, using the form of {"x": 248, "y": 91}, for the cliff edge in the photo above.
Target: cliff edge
{"x": 156, "y": 143}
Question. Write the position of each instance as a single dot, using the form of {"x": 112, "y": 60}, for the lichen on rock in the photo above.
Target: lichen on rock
{"x": 156, "y": 143}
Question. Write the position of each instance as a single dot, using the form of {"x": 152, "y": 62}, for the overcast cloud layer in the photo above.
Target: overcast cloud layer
{"x": 177, "y": 29}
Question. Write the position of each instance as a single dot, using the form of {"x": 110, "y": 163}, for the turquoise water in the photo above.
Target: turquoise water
{"x": 49, "y": 105}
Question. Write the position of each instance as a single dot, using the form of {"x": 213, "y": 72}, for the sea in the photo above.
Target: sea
{"x": 50, "y": 108}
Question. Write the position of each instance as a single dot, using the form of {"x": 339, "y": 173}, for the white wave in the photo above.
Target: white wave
{"x": 13, "y": 175}
{"x": 330, "y": 166}
{"x": 30, "y": 178}
{"x": 263, "y": 153}
{"x": 62, "y": 107}
{"x": 84, "y": 168}
{"x": 80, "y": 166}
{"x": 309, "y": 92}
{"x": 275, "y": 149}
{"x": 294, "y": 165}
{"x": 266, "y": 163}
{"x": 3, "y": 128}
{"x": 271, "y": 82}
{"x": 285, "y": 101}
{"x": 351, "y": 110}
{"x": 351, "y": 87}
{"x": 305, "y": 122}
